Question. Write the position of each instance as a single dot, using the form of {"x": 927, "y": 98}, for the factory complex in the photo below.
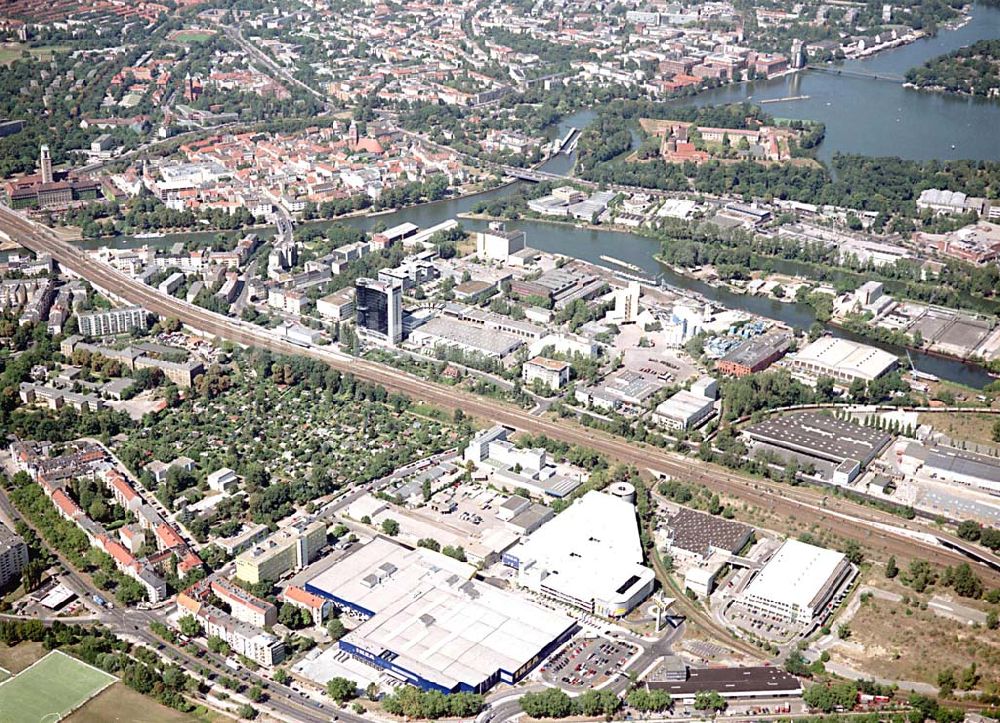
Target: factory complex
{"x": 426, "y": 622}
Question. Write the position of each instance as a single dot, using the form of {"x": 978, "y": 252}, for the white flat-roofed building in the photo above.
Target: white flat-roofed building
{"x": 428, "y": 623}
{"x": 498, "y": 243}
{"x": 589, "y": 556}
{"x": 337, "y": 306}
{"x": 684, "y": 410}
{"x": 288, "y": 300}
{"x": 479, "y": 446}
{"x": 841, "y": 359}
{"x": 507, "y": 453}
{"x": 627, "y": 303}
{"x": 552, "y": 373}
{"x": 222, "y": 480}
{"x": 170, "y": 284}
{"x": 797, "y": 583}
{"x": 511, "y": 467}
{"x": 569, "y": 344}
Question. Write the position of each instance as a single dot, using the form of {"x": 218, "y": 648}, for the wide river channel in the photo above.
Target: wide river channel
{"x": 864, "y": 115}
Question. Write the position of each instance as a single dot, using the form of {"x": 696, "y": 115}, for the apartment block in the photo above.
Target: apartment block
{"x": 290, "y": 548}
{"x": 13, "y": 556}
{"x": 114, "y": 321}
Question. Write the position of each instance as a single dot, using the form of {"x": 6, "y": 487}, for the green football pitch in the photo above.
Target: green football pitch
{"x": 50, "y": 689}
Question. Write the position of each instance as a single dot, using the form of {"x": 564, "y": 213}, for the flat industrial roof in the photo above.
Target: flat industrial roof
{"x": 846, "y": 357}
{"x": 732, "y": 681}
{"x": 591, "y": 549}
{"x": 968, "y": 464}
{"x": 436, "y": 621}
{"x": 820, "y": 435}
{"x": 351, "y": 579}
{"x": 684, "y": 405}
{"x": 455, "y": 331}
{"x": 530, "y": 517}
{"x": 753, "y": 351}
{"x": 796, "y": 574}
{"x": 557, "y": 485}
{"x": 697, "y": 531}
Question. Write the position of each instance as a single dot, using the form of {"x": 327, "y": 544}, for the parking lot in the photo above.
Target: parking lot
{"x": 769, "y": 627}
{"x": 587, "y": 662}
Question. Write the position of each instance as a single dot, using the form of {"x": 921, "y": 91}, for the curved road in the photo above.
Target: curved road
{"x": 804, "y": 504}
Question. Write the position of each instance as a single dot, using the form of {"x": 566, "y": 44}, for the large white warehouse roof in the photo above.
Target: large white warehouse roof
{"x": 798, "y": 575}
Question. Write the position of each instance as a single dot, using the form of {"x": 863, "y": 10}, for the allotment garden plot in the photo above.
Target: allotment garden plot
{"x": 316, "y": 433}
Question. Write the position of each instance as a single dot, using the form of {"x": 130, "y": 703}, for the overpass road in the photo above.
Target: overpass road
{"x": 876, "y": 529}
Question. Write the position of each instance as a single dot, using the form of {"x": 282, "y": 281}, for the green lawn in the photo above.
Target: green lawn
{"x": 192, "y": 36}
{"x": 9, "y": 52}
{"x": 50, "y": 689}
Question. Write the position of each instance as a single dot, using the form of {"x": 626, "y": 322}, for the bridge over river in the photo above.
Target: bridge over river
{"x": 858, "y": 73}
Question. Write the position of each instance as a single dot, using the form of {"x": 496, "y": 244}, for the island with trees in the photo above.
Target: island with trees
{"x": 972, "y": 70}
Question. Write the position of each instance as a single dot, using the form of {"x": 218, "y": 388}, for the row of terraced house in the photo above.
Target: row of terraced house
{"x": 91, "y": 460}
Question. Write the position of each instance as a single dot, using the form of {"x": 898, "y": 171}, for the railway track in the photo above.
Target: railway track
{"x": 697, "y": 616}
{"x": 802, "y": 503}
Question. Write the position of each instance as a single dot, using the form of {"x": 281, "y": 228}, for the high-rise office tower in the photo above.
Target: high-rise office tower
{"x": 378, "y": 309}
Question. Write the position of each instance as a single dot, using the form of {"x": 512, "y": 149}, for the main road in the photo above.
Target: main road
{"x": 880, "y": 531}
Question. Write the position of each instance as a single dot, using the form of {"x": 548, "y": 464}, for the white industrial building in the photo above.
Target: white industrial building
{"x": 684, "y": 410}
{"x": 959, "y": 466}
{"x": 429, "y": 624}
{"x": 468, "y": 337}
{"x": 798, "y": 583}
{"x": 498, "y": 243}
{"x": 570, "y": 345}
{"x": 841, "y": 359}
{"x": 589, "y": 556}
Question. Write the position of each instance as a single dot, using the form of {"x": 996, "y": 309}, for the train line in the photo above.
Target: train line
{"x": 808, "y": 506}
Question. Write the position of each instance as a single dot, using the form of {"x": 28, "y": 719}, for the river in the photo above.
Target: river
{"x": 880, "y": 117}
{"x": 860, "y": 116}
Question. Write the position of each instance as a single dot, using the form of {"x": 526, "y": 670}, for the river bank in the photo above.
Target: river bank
{"x": 472, "y": 216}
{"x": 871, "y": 332}
{"x": 946, "y": 91}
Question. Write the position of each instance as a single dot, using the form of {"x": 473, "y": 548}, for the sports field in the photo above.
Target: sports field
{"x": 192, "y": 37}
{"x": 9, "y": 52}
{"x": 50, "y": 689}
